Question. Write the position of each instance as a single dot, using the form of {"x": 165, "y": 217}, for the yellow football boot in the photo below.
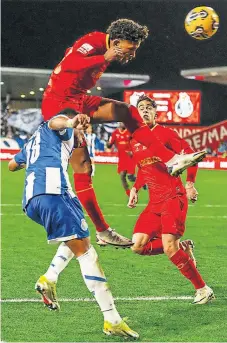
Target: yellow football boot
{"x": 121, "y": 329}
{"x": 47, "y": 289}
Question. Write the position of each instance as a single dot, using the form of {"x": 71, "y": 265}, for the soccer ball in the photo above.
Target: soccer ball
{"x": 201, "y": 22}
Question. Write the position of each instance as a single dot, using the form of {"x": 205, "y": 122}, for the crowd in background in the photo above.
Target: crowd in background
{"x": 102, "y": 132}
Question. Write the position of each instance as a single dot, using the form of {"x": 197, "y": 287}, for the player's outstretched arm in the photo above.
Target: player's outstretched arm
{"x": 19, "y": 160}
{"x": 61, "y": 122}
{"x": 14, "y": 166}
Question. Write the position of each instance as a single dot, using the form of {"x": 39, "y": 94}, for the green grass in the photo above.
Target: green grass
{"x": 25, "y": 256}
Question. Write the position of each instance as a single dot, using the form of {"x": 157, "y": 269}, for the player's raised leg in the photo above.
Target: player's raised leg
{"x": 112, "y": 110}
{"x": 82, "y": 168}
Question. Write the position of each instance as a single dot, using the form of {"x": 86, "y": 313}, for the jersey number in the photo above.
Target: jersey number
{"x": 33, "y": 149}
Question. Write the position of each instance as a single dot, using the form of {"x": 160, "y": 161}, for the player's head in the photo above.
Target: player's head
{"x": 147, "y": 108}
{"x": 122, "y": 126}
{"x": 128, "y": 35}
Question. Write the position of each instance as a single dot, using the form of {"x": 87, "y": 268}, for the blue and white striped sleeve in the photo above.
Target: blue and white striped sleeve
{"x": 21, "y": 157}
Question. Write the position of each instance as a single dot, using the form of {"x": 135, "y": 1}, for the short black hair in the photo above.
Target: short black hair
{"x": 145, "y": 97}
{"x": 127, "y": 29}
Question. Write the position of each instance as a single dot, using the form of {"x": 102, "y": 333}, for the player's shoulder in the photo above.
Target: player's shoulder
{"x": 165, "y": 129}
{"x": 96, "y": 37}
{"x": 115, "y": 131}
{"x": 97, "y": 34}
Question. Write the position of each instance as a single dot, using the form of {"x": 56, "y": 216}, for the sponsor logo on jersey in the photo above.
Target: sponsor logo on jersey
{"x": 85, "y": 48}
{"x": 149, "y": 160}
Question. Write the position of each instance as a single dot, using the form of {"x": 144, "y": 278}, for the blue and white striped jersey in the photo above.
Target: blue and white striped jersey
{"x": 90, "y": 139}
{"x": 46, "y": 156}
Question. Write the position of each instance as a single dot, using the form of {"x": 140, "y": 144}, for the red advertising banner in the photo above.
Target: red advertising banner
{"x": 185, "y": 131}
{"x": 210, "y": 137}
{"x": 172, "y": 106}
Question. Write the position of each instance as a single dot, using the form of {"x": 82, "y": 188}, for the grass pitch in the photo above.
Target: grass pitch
{"x": 25, "y": 256}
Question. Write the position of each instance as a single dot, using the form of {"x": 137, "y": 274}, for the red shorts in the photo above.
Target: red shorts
{"x": 163, "y": 218}
{"x": 82, "y": 103}
{"x": 127, "y": 164}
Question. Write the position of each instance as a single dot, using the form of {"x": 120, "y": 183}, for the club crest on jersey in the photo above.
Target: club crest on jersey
{"x": 84, "y": 225}
{"x": 85, "y": 48}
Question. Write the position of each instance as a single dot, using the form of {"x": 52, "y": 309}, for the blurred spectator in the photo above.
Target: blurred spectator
{"x": 100, "y": 143}
{"x": 223, "y": 148}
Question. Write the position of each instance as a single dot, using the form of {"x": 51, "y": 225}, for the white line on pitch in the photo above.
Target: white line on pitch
{"x": 19, "y": 300}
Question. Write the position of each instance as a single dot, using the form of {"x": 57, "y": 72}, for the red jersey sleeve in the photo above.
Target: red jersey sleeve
{"x": 178, "y": 144}
{"x": 139, "y": 183}
{"x": 87, "y": 52}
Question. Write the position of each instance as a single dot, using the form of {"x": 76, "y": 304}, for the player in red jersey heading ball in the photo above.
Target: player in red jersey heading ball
{"x": 82, "y": 66}
{"x": 161, "y": 225}
{"x": 66, "y": 92}
{"x": 126, "y": 164}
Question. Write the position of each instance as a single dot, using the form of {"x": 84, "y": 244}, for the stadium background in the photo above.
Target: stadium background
{"x": 35, "y": 35}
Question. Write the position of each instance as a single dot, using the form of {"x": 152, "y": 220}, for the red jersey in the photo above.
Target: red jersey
{"x": 81, "y": 67}
{"x": 121, "y": 139}
{"x": 154, "y": 173}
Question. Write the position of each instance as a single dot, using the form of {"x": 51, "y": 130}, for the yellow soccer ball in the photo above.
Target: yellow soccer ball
{"x": 201, "y": 22}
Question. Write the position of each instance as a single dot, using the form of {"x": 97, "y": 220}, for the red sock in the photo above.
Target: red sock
{"x": 85, "y": 192}
{"x": 186, "y": 267}
{"x": 127, "y": 191}
{"x": 153, "y": 247}
{"x": 144, "y": 135}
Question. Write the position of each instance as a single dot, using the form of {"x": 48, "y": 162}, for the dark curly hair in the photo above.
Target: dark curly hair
{"x": 145, "y": 97}
{"x": 127, "y": 29}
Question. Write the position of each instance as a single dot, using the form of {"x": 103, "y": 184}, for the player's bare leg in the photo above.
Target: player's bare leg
{"x": 143, "y": 245}
{"x": 81, "y": 164}
{"x": 139, "y": 240}
{"x": 186, "y": 266}
{"x": 112, "y": 110}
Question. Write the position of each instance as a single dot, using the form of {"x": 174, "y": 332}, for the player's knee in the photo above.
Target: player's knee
{"x": 139, "y": 241}
{"x": 170, "y": 248}
{"x": 137, "y": 249}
